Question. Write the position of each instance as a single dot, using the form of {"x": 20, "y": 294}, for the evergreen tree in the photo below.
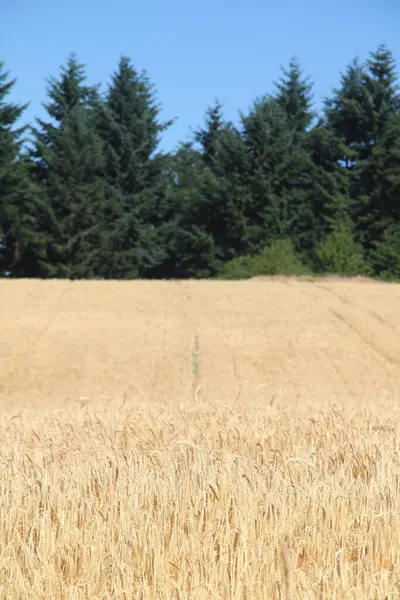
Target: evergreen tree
{"x": 380, "y": 184}
{"x": 294, "y": 95}
{"x": 19, "y": 241}
{"x": 268, "y": 139}
{"x": 64, "y": 94}
{"x": 377, "y": 201}
{"x": 331, "y": 204}
{"x": 68, "y": 157}
{"x": 381, "y": 84}
{"x": 75, "y": 222}
{"x": 192, "y": 251}
{"x": 208, "y": 137}
{"x": 224, "y": 194}
{"x": 359, "y": 114}
{"x": 136, "y": 175}
{"x": 314, "y": 181}
{"x": 381, "y": 213}
{"x": 347, "y": 113}
{"x": 385, "y": 253}
{"x": 281, "y": 178}
{"x": 209, "y": 198}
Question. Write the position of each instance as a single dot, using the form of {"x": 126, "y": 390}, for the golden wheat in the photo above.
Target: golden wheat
{"x": 152, "y": 493}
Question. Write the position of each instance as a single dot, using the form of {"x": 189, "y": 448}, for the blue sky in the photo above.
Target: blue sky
{"x": 193, "y": 51}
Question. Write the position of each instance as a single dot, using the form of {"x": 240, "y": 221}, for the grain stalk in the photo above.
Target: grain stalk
{"x": 288, "y": 572}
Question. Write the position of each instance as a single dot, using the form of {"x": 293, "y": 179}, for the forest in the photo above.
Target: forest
{"x": 86, "y": 193}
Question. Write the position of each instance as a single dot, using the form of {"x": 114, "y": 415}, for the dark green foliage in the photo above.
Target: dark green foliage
{"x": 331, "y": 202}
{"x": 136, "y": 176}
{"x": 347, "y": 114}
{"x": 18, "y": 203}
{"x": 209, "y": 137}
{"x": 378, "y": 205}
{"x": 287, "y": 192}
{"x": 383, "y": 89}
{"x": 385, "y": 255}
{"x": 268, "y": 142}
{"x": 192, "y": 252}
{"x": 22, "y": 243}
{"x": 295, "y": 97}
{"x": 224, "y": 193}
{"x": 209, "y": 197}
{"x": 360, "y": 113}
{"x": 75, "y": 216}
{"x": 68, "y": 155}
{"x": 64, "y": 95}
{"x": 282, "y": 179}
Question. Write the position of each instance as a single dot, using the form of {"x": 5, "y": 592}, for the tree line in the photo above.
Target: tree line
{"x": 287, "y": 190}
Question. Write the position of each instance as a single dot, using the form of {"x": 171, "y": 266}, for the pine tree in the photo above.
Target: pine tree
{"x": 223, "y": 192}
{"x": 281, "y": 179}
{"x": 381, "y": 212}
{"x": 294, "y": 95}
{"x": 388, "y": 155}
{"x": 68, "y": 158}
{"x": 378, "y": 183}
{"x": 19, "y": 240}
{"x": 209, "y": 196}
{"x": 208, "y": 137}
{"x": 381, "y": 84}
{"x": 75, "y": 223}
{"x": 359, "y": 114}
{"x": 268, "y": 139}
{"x": 136, "y": 174}
{"x": 65, "y": 93}
{"x": 192, "y": 251}
{"x": 347, "y": 113}
{"x": 385, "y": 253}
{"x": 313, "y": 182}
{"x": 331, "y": 203}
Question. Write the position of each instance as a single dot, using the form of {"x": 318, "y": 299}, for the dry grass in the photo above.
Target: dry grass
{"x": 270, "y": 470}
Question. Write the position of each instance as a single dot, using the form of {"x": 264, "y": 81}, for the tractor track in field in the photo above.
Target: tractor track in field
{"x": 346, "y": 320}
{"x": 347, "y": 302}
{"x": 338, "y": 308}
{"x": 358, "y": 331}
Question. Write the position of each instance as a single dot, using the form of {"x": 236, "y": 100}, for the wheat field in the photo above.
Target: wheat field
{"x": 200, "y": 440}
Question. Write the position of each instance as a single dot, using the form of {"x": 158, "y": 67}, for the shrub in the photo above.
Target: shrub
{"x": 340, "y": 254}
{"x": 279, "y": 258}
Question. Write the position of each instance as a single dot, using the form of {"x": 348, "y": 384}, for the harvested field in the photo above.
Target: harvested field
{"x": 200, "y": 440}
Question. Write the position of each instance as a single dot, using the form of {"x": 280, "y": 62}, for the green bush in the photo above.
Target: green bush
{"x": 279, "y": 258}
{"x": 340, "y": 254}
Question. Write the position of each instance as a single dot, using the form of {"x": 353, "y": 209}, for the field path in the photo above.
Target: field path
{"x": 266, "y": 340}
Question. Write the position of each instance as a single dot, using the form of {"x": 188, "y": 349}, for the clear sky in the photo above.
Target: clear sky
{"x": 193, "y": 50}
